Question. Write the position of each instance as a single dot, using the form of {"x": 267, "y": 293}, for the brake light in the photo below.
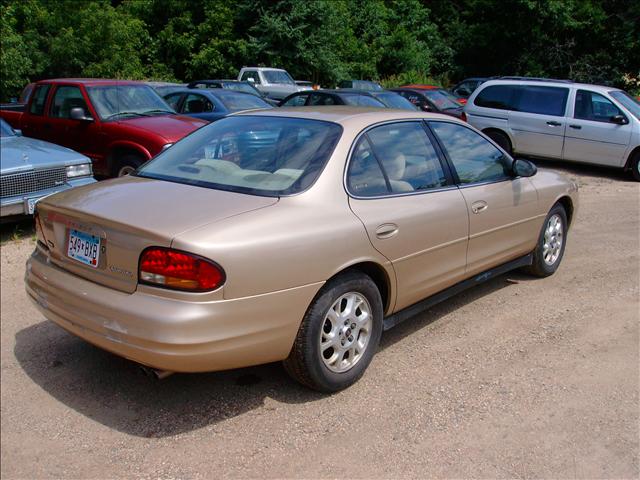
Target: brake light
{"x": 165, "y": 267}
{"x": 463, "y": 116}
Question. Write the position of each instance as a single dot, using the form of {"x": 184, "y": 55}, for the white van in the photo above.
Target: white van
{"x": 559, "y": 119}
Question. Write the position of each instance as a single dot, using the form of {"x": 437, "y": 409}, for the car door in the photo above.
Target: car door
{"x": 71, "y": 133}
{"x": 537, "y": 120}
{"x": 504, "y": 221}
{"x": 592, "y": 136}
{"x": 35, "y": 123}
{"x": 413, "y": 213}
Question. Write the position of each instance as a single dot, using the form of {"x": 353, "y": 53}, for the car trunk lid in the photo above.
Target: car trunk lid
{"x": 126, "y": 215}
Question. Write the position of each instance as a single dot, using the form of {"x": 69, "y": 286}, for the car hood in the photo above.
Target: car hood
{"x": 171, "y": 127}
{"x": 24, "y": 153}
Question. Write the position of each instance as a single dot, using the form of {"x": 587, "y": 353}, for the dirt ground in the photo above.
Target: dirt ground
{"x": 517, "y": 378}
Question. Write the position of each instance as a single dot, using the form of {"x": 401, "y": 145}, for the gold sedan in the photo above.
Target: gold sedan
{"x": 296, "y": 235}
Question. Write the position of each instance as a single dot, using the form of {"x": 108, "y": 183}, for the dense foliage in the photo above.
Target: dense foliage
{"x": 319, "y": 40}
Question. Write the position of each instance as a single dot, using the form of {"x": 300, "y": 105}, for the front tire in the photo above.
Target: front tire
{"x": 126, "y": 164}
{"x": 551, "y": 243}
{"x": 635, "y": 167}
{"x": 339, "y": 334}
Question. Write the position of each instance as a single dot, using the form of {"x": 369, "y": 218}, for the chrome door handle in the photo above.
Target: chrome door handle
{"x": 577, "y": 127}
{"x": 386, "y": 230}
{"x": 554, "y": 124}
{"x": 478, "y": 207}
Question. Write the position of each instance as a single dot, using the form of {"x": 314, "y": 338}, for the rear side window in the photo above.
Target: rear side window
{"x": 39, "y": 99}
{"x": 475, "y": 159}
{"x": 542, "y": 100}
{"x": 197, "y": 104}
{"x": 497, "y": 96}
{"x": 365, "y": 177}
{"x": 322, "y": 99}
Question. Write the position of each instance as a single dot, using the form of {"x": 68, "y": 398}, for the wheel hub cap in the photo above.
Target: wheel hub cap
{"x": 552, "y": 241}
{"x": 345, "y": 332}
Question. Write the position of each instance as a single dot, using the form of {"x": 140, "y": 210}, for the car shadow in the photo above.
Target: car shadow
{"x": 14, "y": 229}
{"x": 587, "y": 170}
{"x": 116, "y": 393}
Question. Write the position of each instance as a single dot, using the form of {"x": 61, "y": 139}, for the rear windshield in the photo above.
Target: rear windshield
{"x": 242, "y": 101}
{"x": 630, "y": 103}
{"x": 393, "y": 100}
{"x": 268, "y": 156}
{"x": 241, "y": 87}
{"x": 442, "y": 99}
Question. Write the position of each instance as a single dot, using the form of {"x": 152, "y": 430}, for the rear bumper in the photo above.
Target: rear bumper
{"x": 18, "y": 204}
{"x": 166, "y": 333}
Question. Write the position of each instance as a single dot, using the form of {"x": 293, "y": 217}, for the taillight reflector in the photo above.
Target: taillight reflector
{"x": 165, "y": 267}
{"x": 463, "y": 116}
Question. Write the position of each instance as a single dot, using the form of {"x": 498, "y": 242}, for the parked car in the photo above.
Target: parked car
{"x": 223, "y": 253}
{"x": 18, "y": 104}
{"x": 32, "y": 169}
{"x": 236, "y": 85}
{"x": 466, "y": 87}
{"x": 360, "y": 98}
{"x": 213, "y": 104}
{"x": 119, "y": 124}
{"x": 164, "y": 88}
{"x": 560, "y": 120}
{"x": 360, "y": 85}
{"x": 273, "y": 82}
{"x": 434, "y": 99}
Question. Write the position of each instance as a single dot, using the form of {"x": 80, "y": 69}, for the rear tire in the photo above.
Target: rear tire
{"x": 126, "y": 164}
{"x": 635, "y": 166}
{"x": 502, "y": 140}
{"x": 339, "y": 334}
{"x": 551, "y": 243}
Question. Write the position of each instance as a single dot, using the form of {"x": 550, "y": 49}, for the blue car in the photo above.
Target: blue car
{"x": 212, "y": 104}
{"x": 33, "y": 169}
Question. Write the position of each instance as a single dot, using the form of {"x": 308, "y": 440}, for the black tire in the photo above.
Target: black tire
{"x": 126, "y": 163}
{"x": 539, "y": 267}
{"x": 501, "y": 139}
{"x": 634, "y": 165}
{"x": 305, "y": 362}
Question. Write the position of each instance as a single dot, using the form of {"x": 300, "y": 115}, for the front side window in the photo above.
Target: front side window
{"x": 66, "y": 98}
{"x": 542, "y": 100}
{"x": 197, "y": 104}
{"x": 242, "y": 101}
{"x": 39, "y": 100}
{"x": 173, "y": 100}
{"x": 114, "y": 102}
{"x": 251, "y": 74}
{"x": 277, "y": 76}
{"x": 497, "y": 96}
{"x": 403, "y": 154}
{"x": 595, "y": 107}
{"x": 259, "y": 155}
{"x": 475, "y": 159}
{"x": 296, "y": 101}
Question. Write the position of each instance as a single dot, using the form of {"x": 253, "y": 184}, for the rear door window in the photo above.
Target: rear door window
{"x": 497, "y": 96}
{"x": 39, "y": 100}
{"x": 542, "y": 100}
{"x": 296, "y": 101}
{"x": 322, "y": 99}
{"x": 195, "y": 103}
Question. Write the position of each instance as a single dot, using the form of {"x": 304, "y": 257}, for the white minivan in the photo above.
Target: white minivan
{"x": 559, "y": 119}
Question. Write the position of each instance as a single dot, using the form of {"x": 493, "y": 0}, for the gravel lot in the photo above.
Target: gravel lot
{"x": 517, "y": 378}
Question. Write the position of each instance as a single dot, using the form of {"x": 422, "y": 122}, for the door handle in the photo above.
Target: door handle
{"x": 386, "y": 230}
{"x": 554, "y": 124}
{"x": 577, "y": 127}
{"x": 479, "y": 207}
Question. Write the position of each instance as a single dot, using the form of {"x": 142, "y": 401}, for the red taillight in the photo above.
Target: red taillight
{"x": 169, "y": 268}
{"x": 463, "y": 116}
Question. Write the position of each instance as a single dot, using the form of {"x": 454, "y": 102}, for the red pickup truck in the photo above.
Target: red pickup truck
{"x": 118, "y": 124}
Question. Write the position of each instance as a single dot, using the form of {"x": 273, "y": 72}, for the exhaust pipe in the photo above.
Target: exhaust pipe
{"x": 157, "y": 374}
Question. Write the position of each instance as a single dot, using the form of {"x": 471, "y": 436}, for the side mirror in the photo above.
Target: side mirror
{"x": 18, "y": 133}
{"x": 426, "y": 108}
{"x": 251, "y": 80}
{"x": 619, "y": 120}
{"x": 524, "y": 168}
{"x": 77, "y": 113}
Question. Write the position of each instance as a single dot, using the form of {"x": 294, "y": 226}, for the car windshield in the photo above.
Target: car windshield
{"x": 442, "y": 99}
{"x": 242, "y": 101}
{"x": 630, "y": 103}
{"x": 393, "y": 100}
{"x": 241, "y": 87}
{"x": 6, "y": 130}
{"x": 259, "y": 155}
{"x": 277, "y": 76}
{"x": 114, "y": 102}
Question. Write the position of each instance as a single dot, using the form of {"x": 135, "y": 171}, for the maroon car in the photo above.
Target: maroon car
{"x": 118, "y": 124}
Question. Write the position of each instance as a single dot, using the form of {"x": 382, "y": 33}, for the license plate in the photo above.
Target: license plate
{"x": 84, "y": 248}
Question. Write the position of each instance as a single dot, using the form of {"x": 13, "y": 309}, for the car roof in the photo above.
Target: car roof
{"x": 94, "y": 81}
{"x": 351, "y": 117}
{"x": 547, "y": 83}
{"x": 264, "y": 68}
{"x": 416, "y": 86}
